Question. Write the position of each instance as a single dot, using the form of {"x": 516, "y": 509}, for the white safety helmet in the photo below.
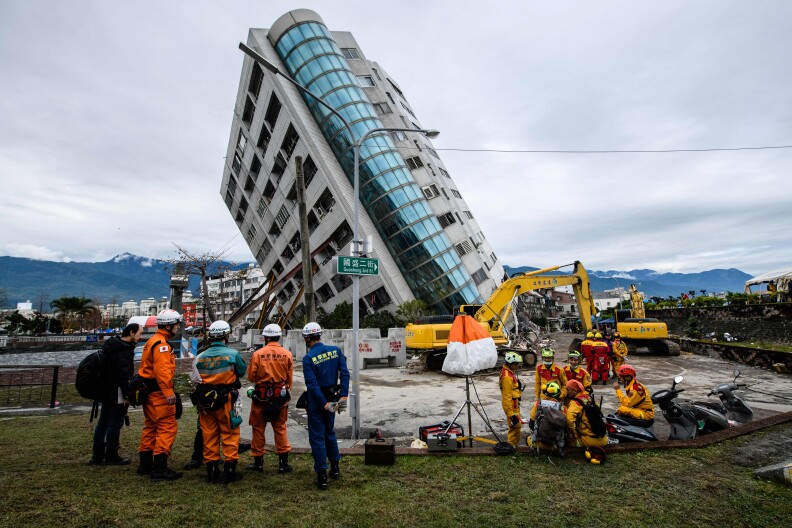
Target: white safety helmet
{"x": 168, "y": 317}
{"x": 312, "y": 330}
{"x": 271, "y": 330}
{"x": 219, "y": 329}
{"x": 513, "y": 357}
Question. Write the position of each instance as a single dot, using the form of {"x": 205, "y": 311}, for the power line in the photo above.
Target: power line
{"x": 613, "y": 151}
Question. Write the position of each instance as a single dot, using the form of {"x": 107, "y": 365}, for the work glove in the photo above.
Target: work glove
{"x": 514, "y": 420}
{"x": 331, "y": 407}
{"x": 342, "y": 405}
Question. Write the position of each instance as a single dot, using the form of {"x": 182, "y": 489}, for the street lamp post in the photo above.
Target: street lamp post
{"x": 356, "y": 242}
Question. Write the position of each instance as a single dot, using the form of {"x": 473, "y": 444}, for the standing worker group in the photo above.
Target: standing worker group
{"x": 217, "y": 371}
{"x": 157, "y": 367}
{"x": 272, "y": 372}
{"x": 327, "y": 380}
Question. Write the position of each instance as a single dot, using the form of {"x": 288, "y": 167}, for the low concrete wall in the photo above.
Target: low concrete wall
{"x": 749, "y": 356}
{"x": 769, "y": 323}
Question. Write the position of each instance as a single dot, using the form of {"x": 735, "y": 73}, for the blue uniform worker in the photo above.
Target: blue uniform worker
{"x": 327, "y": 381}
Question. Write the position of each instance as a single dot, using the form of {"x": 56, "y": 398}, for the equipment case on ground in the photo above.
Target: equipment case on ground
{"x": 440, "y": 442}
{"x": 452, "y": 428}
{"x": 380, "y": 452}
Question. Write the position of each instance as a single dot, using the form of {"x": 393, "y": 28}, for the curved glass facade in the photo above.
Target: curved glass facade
{"x": 388, "y": 192}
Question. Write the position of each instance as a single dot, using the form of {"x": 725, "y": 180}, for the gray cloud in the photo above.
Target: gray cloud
{"x": 115, "y": 121}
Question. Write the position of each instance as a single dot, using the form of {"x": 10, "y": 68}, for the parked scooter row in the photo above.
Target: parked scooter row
{"x": 688, "y": 419}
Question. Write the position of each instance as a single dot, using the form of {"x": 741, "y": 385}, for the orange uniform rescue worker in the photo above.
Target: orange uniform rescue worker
{"x": 635, "y": 403}
{"x": 548, "y": 371}
{"x": 600, "y": 367}
{"x": 619, "y": 349}
{"x": 158, "y": 366}
{"x": 511, "y": 394}
{"x": 574, "y": 371}
{"x": 217, "y": 371}
{"x": 272, "y": 370}
{"x": 578, "y": 425}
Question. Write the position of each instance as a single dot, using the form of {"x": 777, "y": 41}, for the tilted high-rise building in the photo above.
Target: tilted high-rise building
{"x": 426, "y": 238}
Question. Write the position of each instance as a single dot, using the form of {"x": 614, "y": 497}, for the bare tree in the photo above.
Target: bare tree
{"x": 201, "y": 264}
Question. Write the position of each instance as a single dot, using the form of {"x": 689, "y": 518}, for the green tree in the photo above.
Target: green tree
{"x": 382, "y": 320}
{"x": 72, "y": 310}
{"x": 410, "y": 311}
{"x": 340, "y": 317}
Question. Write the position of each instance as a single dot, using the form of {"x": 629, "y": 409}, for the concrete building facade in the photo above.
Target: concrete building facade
{"x": 426, "y": 238}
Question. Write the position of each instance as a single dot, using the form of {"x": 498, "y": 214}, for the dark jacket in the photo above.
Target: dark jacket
{"x": 117, "y": 368}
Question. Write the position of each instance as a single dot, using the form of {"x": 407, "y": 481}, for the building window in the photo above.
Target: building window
{"x": 324, "y": 204}
{"x": 446, "y": 220}
{"x": 414, "y": 162}
{"x": 236, "y": 164}
{"x": 382, "y": 108}
{"x": 262, "y": 207}
{"x": 241, "y": 142}
{"x": 479, "y": 277}
{"x": 289, "y": 142}
{"x": 460, "y": 219}
{"x": 232, "y": 186}
{"x": 407, "y": 108}
{"x": 395, "y": 87}
{"x": 350, "y": 53}
{"x": 251, "y": 233}
{"x": 278, "y": 167}
{"x": 376, "y": 74}
{"x": 430, "y": 191}
{"x": 256, "y": 76}
{"x": 390, "y": 97}
{"x": 469, "y": 215}
{"x": 398, "y": 135}
{"x": 445, "y": 193}
{"x": 282, "y": 217}
{"x": 309, "y": 171}
{"x": 255, "y": 165}
{"x": 250, "y": 184}
{"x": 366, "y": 81}
{"x": 264, "y": 138}
{"x": 444, "y": 172}
{"x": 341, "y": 282}
{"x": 273, "y": 109}
{"x": 463, "y": 248}
{"x": 229, "y": 198}
{"x": 247, "y": 113}
{"x": 494, "y": 258}
{"x": 325, "y": 293}
{"x": 456, "y": 193}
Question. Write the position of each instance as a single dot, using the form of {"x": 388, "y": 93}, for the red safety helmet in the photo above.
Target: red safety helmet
{"x": 626, "y": 370}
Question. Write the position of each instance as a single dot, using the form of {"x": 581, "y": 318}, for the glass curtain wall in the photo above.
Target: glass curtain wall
{"x": 388, "y": 192}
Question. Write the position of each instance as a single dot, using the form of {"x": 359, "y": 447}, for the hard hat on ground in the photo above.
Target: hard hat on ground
{"x": 312, "y": 330}
{"x": 272, "y": 330}
{"x": 219, "y": 329}
{"x": 552, "y": 390}
{"x": 167, "y": 317}
{"x": 513, "y": 357}
{"x": 626, "y": 370}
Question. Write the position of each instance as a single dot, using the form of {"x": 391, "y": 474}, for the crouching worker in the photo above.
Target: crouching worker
{"x": 217, "y": 371}
{"x": 585, "y": 424}
{"x": 548, "y": 421}
{"x": 511, "y": 394}
{"x": 327, "y": 380}
{"x": 635, "y": 403}
{"x": 272, "y": 370}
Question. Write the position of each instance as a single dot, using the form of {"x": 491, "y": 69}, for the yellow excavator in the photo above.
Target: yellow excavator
{"x": 429, "y": 335}
{"x": 638, "y": 331}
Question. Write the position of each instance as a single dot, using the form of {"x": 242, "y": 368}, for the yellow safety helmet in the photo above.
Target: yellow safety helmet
{"x": 552, "y": 390}
{"x": 597, "y": 336}
{"x": 589, "y": 335}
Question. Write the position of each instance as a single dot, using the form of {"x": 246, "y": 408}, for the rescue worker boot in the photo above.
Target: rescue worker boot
{"x": 146, "y": 462}
{"x": 161, "y": 471}
{"x": 257, "y": 465}
{"x": 213, "y": 475}
{"x": 98, "y": 454}
{"x": 230, "y": 473}
{"x": 321, "y": 480}
{"x": 335, "y": 471}
{"x": 193, "y": 464}
{"x": 283, "y": 463}
{"x": 112, "y": 458}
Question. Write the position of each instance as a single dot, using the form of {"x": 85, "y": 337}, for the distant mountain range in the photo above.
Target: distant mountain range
{"x": 652, "y": 283}
{"x": 128, "y": 276}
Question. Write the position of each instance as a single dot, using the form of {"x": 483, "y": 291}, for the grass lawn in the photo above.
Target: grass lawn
{"x": 45, "y": 482}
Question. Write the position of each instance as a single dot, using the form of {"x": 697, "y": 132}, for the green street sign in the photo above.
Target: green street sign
{"x": 358, "y": 266}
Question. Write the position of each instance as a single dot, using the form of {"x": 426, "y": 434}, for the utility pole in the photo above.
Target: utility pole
{"x": 305, "y": 237}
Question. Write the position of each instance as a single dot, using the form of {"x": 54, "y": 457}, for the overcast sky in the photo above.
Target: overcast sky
{"x": 115, "y": 117}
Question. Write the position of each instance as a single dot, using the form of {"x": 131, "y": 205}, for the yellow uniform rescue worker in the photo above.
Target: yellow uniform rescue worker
{"x": 619, "y": 349}
{"x": 548, "y": 371}
{"x": 578, "y": 424}
{"x": 511, "y": 394}
{"x": 217, "y": 371}
{"x": 157, "y": 368}
{"x": 272, "y": 371}
{"x": 574, "y": 371}
{"x": 548, "y": 436}
{"x": 635, "y": 402}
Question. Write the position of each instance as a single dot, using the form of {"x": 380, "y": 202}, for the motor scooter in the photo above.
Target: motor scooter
{"x": 688, "y": 419}
{"x": 733, "y": 406}
{"x": 621, "y": 431}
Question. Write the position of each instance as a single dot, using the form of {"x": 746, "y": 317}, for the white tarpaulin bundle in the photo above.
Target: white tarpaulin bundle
{"x": 470, "y": 348}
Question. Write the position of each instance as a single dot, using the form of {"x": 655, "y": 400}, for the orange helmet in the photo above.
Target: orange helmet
{"x": 626, "y": 370}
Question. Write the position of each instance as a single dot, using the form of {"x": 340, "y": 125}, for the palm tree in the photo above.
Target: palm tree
{"x": 69, "y": 307}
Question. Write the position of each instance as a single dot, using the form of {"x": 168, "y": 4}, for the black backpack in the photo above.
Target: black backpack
{"x": 89, "y": 380}
{"x": 595, "y": 418}
{"x": 550, "y": 421}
